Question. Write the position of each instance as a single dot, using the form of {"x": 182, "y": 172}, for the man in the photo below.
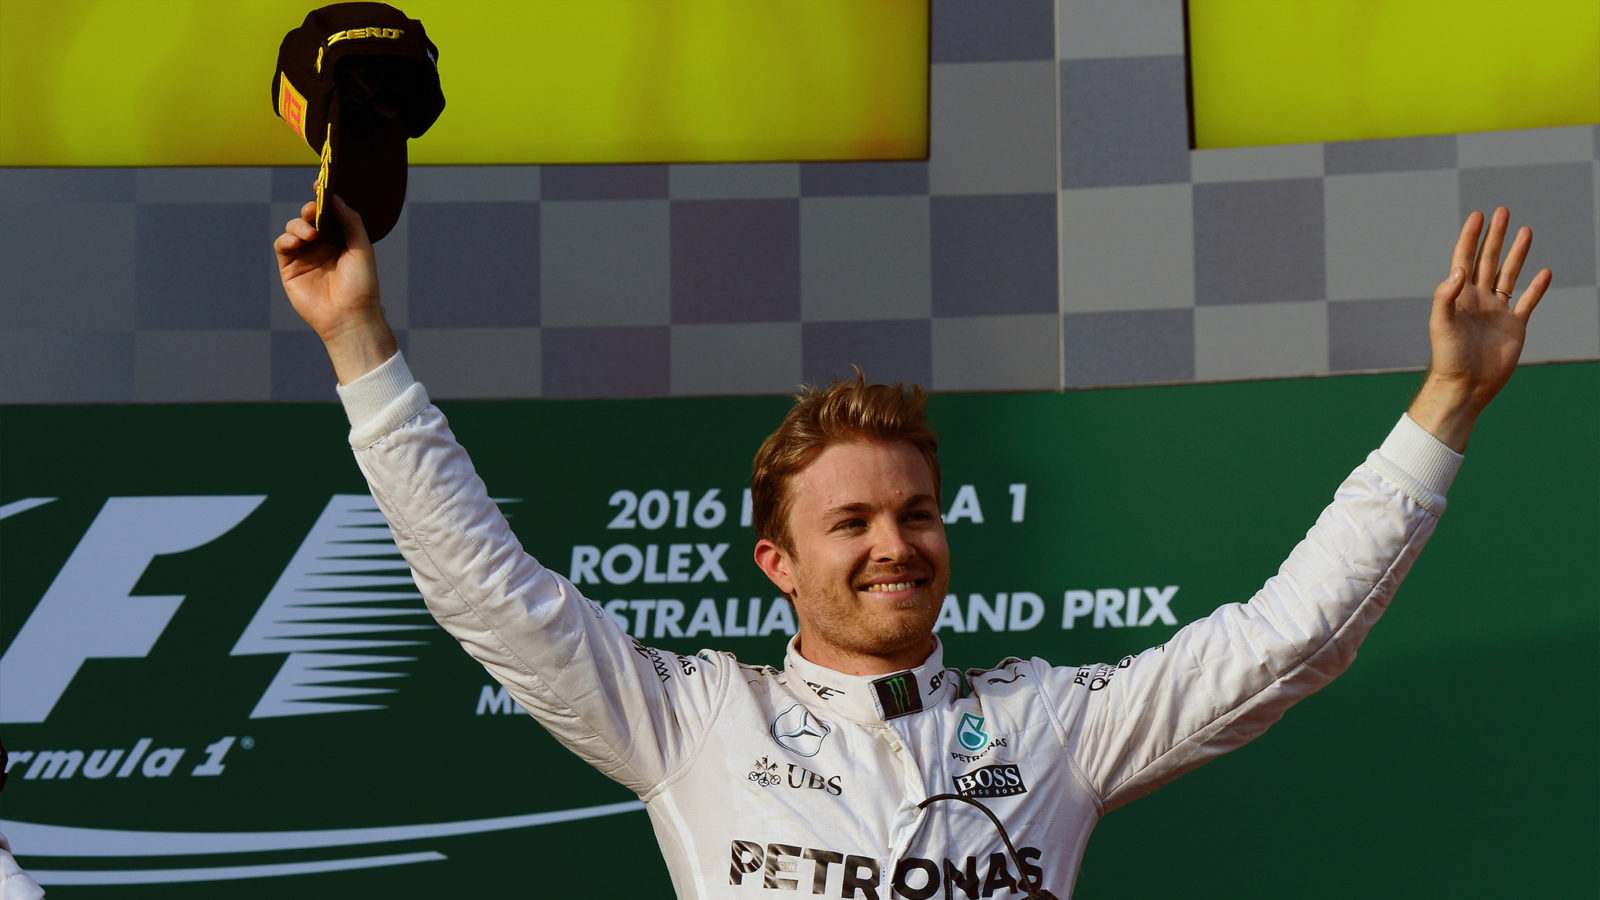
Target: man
{"x": 15, "y": 884}
{"x": 913, "y": 780}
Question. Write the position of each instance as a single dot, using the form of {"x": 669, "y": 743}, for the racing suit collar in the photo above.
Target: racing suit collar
{"x": 874, "y": 698}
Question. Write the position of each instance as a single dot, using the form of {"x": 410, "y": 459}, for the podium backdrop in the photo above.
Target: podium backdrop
{"x": 218, "y": 680}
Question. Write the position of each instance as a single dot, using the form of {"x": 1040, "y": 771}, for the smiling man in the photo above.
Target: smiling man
{"x": 864, "y": 767}
{"x": 845, "y": 502}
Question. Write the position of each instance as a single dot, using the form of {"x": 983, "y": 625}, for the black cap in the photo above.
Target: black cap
{"x": 356, "y": 80}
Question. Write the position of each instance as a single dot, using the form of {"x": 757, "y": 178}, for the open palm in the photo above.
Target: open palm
{"x": 1477, "y": 332}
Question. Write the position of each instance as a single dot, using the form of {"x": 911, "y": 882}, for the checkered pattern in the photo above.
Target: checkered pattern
{"x": 1061, "y": 235}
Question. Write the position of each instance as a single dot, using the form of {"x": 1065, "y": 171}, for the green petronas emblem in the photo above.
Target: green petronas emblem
{"x": 971, "y": 733}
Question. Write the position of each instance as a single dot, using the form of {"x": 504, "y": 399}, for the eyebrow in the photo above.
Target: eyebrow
{"x": 855, "y": 508}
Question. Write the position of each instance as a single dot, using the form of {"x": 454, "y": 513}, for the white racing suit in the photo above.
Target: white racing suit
{"x": 804, "y": 782}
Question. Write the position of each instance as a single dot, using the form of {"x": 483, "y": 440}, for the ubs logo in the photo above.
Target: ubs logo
{"x": 766, "y": 774}
{"x": 797, "y": 731}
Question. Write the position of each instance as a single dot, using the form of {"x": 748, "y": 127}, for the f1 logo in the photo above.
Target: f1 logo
{"x": 90, "y": 611}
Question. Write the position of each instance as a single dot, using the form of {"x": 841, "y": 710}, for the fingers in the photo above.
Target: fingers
{"x": 355, "y": 231}
{"x": 1530, "y": 297}
{"x": 1444, "y": 296}
{"x": 1488, "y": 261}
{"x": 285, "y": 246}
{"x": 301, "y": 229}
{"x": 1486, "y": 270}
{"x": 298, "y": 235}
{"x": 1467, "y": 243}
{"x": 1506, "y": 279}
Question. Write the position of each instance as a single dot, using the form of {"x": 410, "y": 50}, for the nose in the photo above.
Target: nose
{"x": 891, "y": 544}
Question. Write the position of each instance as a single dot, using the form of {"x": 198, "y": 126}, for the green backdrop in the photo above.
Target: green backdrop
{"x": 1458, "y": 757}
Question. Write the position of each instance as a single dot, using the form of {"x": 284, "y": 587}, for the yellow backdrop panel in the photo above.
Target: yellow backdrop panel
{"x": 1280, "y": 72}
{"x": 187, "y": 82}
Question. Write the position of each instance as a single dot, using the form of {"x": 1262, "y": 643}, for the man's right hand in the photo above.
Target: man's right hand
{"x": 336, "y": 291}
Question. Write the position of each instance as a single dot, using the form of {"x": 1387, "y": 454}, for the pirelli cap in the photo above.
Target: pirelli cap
{"x": 356, "y": 81}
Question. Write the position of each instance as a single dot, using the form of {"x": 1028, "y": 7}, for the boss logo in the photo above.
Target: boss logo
{"x": 1000, "y": 780}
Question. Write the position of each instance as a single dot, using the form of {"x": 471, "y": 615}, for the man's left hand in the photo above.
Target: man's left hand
{"x": 1477, "y": 328}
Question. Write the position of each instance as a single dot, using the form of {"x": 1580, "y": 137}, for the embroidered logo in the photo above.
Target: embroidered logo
{"x": 991, "y": 781}
{"x": 971, "y": 734}
{"x": 797, "y": 731}
{"x": 765, "y": 773}
{"x": 897, "y": 694}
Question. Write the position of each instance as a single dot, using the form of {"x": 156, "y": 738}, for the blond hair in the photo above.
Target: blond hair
{"x": 844, "y": 411}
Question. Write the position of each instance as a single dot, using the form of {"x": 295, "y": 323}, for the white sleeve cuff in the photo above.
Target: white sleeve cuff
{"x": 1418, "y": 462}
{"x": 381, "y": 401}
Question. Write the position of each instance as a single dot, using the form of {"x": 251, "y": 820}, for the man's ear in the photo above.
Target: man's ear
{"x": 774, "y": 561}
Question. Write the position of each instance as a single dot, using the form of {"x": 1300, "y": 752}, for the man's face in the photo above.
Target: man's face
{"x": 869, "y": 564}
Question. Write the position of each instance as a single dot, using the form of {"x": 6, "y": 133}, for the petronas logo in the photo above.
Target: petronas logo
{"x": 971, "y": 733}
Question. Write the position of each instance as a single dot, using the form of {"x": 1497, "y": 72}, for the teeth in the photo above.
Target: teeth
{"x": 897, "y": 586}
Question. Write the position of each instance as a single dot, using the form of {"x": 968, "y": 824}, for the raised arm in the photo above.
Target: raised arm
{"x": 1225, "y": 679}
{"x": 336, "y": 290}
{"x": 633, "y": 712}
{"x": 1477, "y": 328}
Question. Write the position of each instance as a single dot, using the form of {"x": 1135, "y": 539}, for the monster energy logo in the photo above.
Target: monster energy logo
{"x": 897, "y": 694}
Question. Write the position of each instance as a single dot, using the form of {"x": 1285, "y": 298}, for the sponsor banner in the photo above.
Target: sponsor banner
{"x": 179, "y": 82}
{"x": 217, "y": 677}
{"x": 1354, "y": 82}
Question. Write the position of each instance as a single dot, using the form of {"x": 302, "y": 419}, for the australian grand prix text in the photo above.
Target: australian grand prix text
{"x": 667, "y": 513}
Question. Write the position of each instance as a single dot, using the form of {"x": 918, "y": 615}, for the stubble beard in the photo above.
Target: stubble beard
{"x": 851, "y": 626}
